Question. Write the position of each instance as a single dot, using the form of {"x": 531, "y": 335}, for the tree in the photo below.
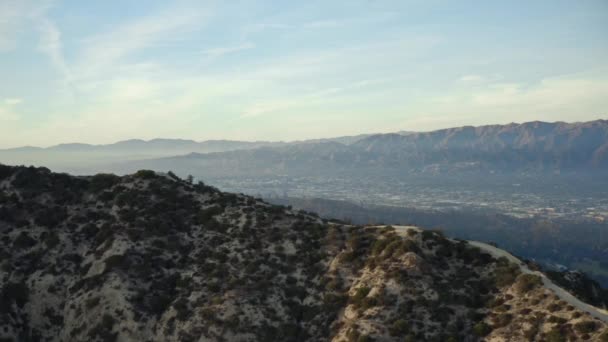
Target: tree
{"x": 190, "y": 179}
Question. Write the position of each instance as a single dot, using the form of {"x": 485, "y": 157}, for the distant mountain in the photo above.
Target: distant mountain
{"x": 149, "y": 257}
{"x": 179, "y": 146}
{"x": 86, "y": 158}
{"x": 154, "y": 146}
{"x": 535, "y": 148}
{"x": 533, "y": 145}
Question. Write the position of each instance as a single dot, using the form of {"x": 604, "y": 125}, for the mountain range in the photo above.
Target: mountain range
{"x": 533, "y": 148}
{"x": 530, "y": 149}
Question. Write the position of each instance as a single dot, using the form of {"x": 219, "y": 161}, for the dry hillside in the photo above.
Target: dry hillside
{"x": 150, "y": 257}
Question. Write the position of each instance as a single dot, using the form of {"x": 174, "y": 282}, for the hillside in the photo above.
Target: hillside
{"x": 149, "y": 257}
{"x": 567, "y": 241}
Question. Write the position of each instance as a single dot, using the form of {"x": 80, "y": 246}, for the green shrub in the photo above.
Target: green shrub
{"x": 555, "y": 336}
{"x": 103, "y": 181}
{"x": 481, "y": 329}
{"x": 585, "y": 327}
{"x": 205, "y": 215}
{"x": 503, "y": 320}
{"x": 361, "y": 293}
{"x": 92, "y": 302}
{"x": 145, "y": 174}
{"x": 527, "y": 282}
{"x": 399, "y": 327}
{"x": 505, "y": 274}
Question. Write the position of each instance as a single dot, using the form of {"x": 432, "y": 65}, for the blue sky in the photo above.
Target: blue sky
{"x": 103, "y": 71}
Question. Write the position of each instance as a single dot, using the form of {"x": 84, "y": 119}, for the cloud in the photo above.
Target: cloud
{"x": 13, "y": 101}
{"x": 471, "y": 79}
{"x": 566, "y": 98}
{"x": 322, "y": 24}
{"x": 14, "y": 16}
{"x": 218, "y": 52}
{"x": 51, "y": 44}
{"x": 103, "y": 51}
{"x": 7, "y": 109}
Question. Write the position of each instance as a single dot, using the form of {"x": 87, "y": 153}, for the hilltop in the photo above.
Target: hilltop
{"x": 151, "y": 257}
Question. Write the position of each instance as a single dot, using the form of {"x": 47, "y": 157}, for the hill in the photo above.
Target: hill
{"x": 151, "y": 257}
{"x": 565, "y": 242}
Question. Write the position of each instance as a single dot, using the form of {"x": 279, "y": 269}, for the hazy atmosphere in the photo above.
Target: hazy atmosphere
{"x": 101, "y": 72}
{"x": 304, "y": 171}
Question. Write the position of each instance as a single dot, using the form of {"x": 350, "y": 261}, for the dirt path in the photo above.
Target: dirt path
{"x": 560, "y": 292}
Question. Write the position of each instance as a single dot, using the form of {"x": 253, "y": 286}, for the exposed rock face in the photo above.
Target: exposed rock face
{"x": 152, "y": 258}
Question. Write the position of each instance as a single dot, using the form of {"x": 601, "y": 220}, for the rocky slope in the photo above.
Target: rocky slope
{"x": 149, "y": 257}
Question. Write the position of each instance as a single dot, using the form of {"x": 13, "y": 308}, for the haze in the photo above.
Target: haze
{"x": 76, "y": 71}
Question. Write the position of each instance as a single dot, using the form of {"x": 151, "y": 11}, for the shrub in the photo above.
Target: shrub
{"x": 92, "y": 302}
{"x": 428, "y": 235}
{"x": 361, "y": 293}
{"x": 503, "y": 320}
{"x": 399, "y": 328}
{"x": 51, "y": 217}
{"x": 481, "y": 329}
{"x": 205, "y": 215}
{"x": 555, "y": 336}
{"x": 182, "y": 308}
{"x": 585, "y": 327}
{"x": 604, "y": 336}
{"x": 554, "y": 307}
{"x": 145, "y": 174}
{"x": 527, "y": 282}
{"x": 365, "y": 338}
{"x": 51, "y": 240}
{"x": 103, "y": 181}
{"x": 5, "y": 171}
{"x": 114, "y": 261}
{"x": 24, "y": 240}
{"x": 531, "y": 333}
{"x": 14, "y": 292}
{"x": 333, "y": 302}
{"x": 558, "y": 320}
{"x": 505, "y": 274}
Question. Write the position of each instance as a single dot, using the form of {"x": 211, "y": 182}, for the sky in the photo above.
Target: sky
{"x": 104, "y": 71}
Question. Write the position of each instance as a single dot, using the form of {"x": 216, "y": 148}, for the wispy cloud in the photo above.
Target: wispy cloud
{"x": 15, "y": 15}
{"x": 13, "y": 101}
{"x": 569, "y": 97}
{"x": 7, "y": 109}
{"x": 51, "y": 44}
{"x": 101, "y": 52}
{"x": 322, "y": 24}
{"x": 471, "y": 79}
{"x": 220, "y": 51}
